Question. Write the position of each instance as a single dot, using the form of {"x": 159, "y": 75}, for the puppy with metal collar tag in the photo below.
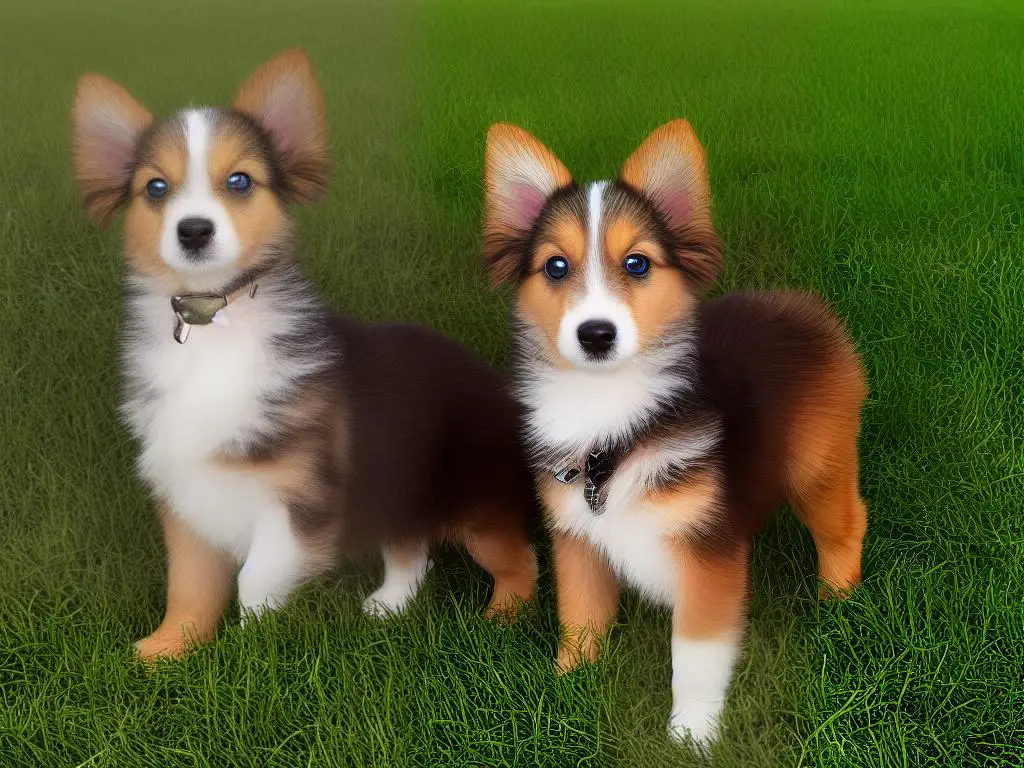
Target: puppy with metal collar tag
{"x": 664, "y": 430}
{"x": 275, "y": 435}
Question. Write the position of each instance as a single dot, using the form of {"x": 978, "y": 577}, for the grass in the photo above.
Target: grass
{"x": 873, "y": 151}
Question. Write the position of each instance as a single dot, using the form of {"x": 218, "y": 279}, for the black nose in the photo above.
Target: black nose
{"x": 194, "y": 234}
{"x": 596, "y": 337}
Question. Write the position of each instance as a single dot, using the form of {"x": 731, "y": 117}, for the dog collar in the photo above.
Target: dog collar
{"x": 598, "y": 468}
{"x": 202, "y": 309}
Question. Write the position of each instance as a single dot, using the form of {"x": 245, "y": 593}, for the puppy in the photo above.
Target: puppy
{"x": 664, "y": 431}
{"x": 276, "y": 436}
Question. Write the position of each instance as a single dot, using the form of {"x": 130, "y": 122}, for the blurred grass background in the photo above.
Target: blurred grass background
{"x": 872, "y": 151}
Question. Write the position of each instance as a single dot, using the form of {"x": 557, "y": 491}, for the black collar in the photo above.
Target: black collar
{"x": 598, "y": 468}
{"x": 601, "y": 462}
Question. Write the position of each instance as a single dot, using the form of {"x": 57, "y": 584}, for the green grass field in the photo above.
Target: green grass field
{"x": 872, "y": 151}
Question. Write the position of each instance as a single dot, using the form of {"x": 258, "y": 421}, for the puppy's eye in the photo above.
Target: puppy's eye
{"x": 239, "y": 182}
{"x": 637, "y": 264}
{"x": 556, "y": 267}
{"x": 156, "y": 189}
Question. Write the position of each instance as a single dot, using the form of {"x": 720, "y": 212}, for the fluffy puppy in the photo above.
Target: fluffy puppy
{"x": 275, "y": 435}
{"x": 663, "y": 430}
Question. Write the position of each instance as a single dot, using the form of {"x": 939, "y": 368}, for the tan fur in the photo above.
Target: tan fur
{"x": 669, "y": 167}
{"x": 508, "y": 556}
{"x": 503, "y": 218}
{"x": 539, "y": 300}
{"x": 588, "y": 599}
{"x": 662, "y": 297}
{"x": 199, "y": 583}
{"x": 144, "y": 218}
{"x": 690, "y": 503}
{"x": 106, "y": 124}
{"x": 712, "y": 592}
{"x": 297, "y": 122}
{"x": 823, "y": 472}
{"x": 258, "y": 218}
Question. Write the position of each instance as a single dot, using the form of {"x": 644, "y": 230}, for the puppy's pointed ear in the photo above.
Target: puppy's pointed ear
{"x": 106, "y": 123}
{"x": 520, "y": 175}
{"x": 284, "y": 98}
{"x": 669, "y": 170}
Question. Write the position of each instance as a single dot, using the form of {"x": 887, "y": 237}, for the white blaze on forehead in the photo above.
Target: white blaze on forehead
{"x": 197, "y": 143}
{"x": 595, "y": 253}
{"x": 197, "y": 199}
{"x": 597, "y": 302}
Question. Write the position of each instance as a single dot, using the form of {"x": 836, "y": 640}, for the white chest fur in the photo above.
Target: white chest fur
{"x": 634, "y": 540}
{"x": 193, "y": 400}
{"x": 579, "y": 409}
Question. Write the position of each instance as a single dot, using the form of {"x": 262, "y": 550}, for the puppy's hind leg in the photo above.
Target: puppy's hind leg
{"x": 405, "y": 567}
{"x": 837, "y": 518}
{"x": 501, "y": 548}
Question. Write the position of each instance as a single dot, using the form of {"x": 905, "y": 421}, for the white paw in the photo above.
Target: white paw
{"x": 399, "y": 588}
{"x": 695, "y": 724}
{"x": 250, "y": 614}
{"x": 386, "y": 602}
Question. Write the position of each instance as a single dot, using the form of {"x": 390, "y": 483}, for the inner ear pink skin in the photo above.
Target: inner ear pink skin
{"x": 287, "y": 118}
{"x": 529, "y": 202}
{"x": 677, "y": 205}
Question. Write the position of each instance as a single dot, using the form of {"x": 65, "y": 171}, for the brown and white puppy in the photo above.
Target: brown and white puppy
{"x": 275, "y": 435}
{"x": 663, "y": 430}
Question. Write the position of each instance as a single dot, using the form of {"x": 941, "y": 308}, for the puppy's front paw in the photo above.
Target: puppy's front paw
{"x": 576, "y": 651}
{"x": 385, "y": 603}
{"x": 695, "y": 724}
{"x": 161, "y": 645}
{"x": 250, "y": 614}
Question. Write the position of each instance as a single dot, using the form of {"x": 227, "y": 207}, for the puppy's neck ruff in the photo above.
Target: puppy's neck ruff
{"x": 204, "y": 308}
{"x": 269, "y": 345}
{"x": 572, "y": 412}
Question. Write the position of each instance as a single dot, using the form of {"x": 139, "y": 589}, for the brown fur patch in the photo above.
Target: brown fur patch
{"x": 712, "y": 592}
{"x": 822, "y": 455}
{"x": 257, "y": 216}
{"x": 505, "y": 553}
{"x": 166, "y": 158}
{"x": 694, "y": 502}
{"x": 588, "y": 598}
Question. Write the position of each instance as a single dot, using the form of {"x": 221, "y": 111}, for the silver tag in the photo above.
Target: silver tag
{"x": 181, "y": 329}
{"x": 568, "y": 475}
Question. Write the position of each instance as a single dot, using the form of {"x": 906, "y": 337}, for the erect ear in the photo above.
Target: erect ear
{"x": 520, "y": 175}
{"x": 106, "y": 123}
{"x": 670, "y": 171}
{"x": 284, "y": 98}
